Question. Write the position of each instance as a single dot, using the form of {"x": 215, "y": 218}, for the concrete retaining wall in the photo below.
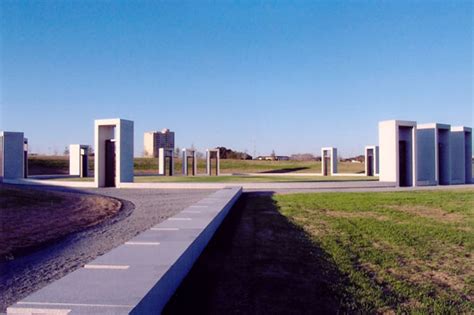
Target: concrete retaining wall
{"x": 140, "y": 276}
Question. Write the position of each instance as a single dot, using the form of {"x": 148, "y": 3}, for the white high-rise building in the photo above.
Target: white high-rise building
{"x": 154, "y": 140}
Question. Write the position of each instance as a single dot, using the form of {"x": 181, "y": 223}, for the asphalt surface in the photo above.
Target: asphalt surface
{"x": 142, "y": 209}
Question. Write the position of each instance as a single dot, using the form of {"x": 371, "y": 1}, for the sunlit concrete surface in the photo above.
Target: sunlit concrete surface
{"x": 78, "y": 160}
{"x": 140, "y": 276}
{"x": 328, "y": 169}
{"x": 397, "y": 148}
{"x": 119, "y": 132}
{"x": 371, "y": 153}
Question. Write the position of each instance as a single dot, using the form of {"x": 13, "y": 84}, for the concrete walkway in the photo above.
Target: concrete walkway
{"x": 389, "y": 188}
{"x": 266, "y": 186}
{"x": 141, "y": 275}
{"x": 278, "y": 187}
{"x": 214, "y": 186}
{"x": 144, "y": 208}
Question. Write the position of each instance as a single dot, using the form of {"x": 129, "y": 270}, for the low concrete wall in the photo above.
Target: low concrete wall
{"x": 140, "y": 276}
{"x": 363, "y": 184}
{"x": 44, "y": 181}
{"x": 263, "y": 186}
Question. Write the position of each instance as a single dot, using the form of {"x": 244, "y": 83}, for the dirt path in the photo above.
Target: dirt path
{"x": 259, "y": 263}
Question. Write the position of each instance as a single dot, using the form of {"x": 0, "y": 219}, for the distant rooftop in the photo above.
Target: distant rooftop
{"x": 164, "y": 130}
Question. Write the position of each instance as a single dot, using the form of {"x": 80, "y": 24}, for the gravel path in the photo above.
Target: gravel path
{"x": 143, "y": 208}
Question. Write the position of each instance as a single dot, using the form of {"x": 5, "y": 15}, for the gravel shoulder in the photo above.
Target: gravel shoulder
{"x": 32, "y": 218}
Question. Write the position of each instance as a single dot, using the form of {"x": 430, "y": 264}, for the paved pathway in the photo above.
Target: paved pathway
{"x": 291, "y": 189}
{"x": 144, "y": 208}
{"x": 277, "y": 187}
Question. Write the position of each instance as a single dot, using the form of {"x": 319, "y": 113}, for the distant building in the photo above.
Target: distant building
{"x": 273, "y": 158}
{"x": 154, "y": 140}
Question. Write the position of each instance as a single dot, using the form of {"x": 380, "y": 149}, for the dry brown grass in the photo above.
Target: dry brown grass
{"x": 429, "y": 212}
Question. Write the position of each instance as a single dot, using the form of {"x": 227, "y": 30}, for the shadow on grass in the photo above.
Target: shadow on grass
{"x": 258, "y": 262}
{"x": 285, "y": 170}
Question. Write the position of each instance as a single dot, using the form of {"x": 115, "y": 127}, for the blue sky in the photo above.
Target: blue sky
{"x": 288, "y": 76}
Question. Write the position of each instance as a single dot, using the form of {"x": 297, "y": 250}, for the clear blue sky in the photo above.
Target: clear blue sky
{"x": 292, "y": 77}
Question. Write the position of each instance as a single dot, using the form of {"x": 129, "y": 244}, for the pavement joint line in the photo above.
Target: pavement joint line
{"x": 163, "y": 229}
{"x": 179, "y": 219}
{"x": 198, "y": 206}
{"x": 143, "y": 243}
{"x": 111, "y": 267}
{"x": 74, "y": 304}
{"x": 190, "y": 211}
{"x": 38, "y": 311}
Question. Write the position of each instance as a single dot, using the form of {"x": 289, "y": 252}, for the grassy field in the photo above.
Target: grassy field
{"x": 253, "y": 166}
{"x": 60, "y": 165}
{"x": 408, "y": 252}
{"x": 45, "y": 165}
{"x": 245, "y": 179}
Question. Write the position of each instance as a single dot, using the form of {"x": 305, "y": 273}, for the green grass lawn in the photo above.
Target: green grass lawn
{"x": 39, "y": 165}
{"x": 254, "y": 166}
{"x": 233, "y": 179}
{"x": 408, "y": 252}
{"x": 245, "y": 179}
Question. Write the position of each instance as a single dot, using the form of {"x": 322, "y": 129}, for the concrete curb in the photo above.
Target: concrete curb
{"x": 323, "y": 186}
{"x": 44, "y": 182}
{"x": 262, "y": 186}
{"x": 244, "y": 185}
{"x": 140, "y": 276}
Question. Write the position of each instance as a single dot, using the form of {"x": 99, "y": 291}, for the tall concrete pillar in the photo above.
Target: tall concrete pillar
{"x": 113, "y": 152}
{"x": 209, "y": 157}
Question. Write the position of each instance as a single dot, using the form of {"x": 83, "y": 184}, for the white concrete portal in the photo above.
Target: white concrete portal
{"x": 328, "y": 161}
{"x": 165, "y": 161}
{"x": 210, "y": 155}
{"x": 397, "y": 148}
{"x": 113, "y": 152}
{"x": 372, "y": 160}
{"x": 12, "y": 155}
{"x": 189, "y": 154}
{"x": 25, "y": 157}
{"x": 433, "y": 154}
{"x": 461, "y": 155}
{"x": 78, "y": 160}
